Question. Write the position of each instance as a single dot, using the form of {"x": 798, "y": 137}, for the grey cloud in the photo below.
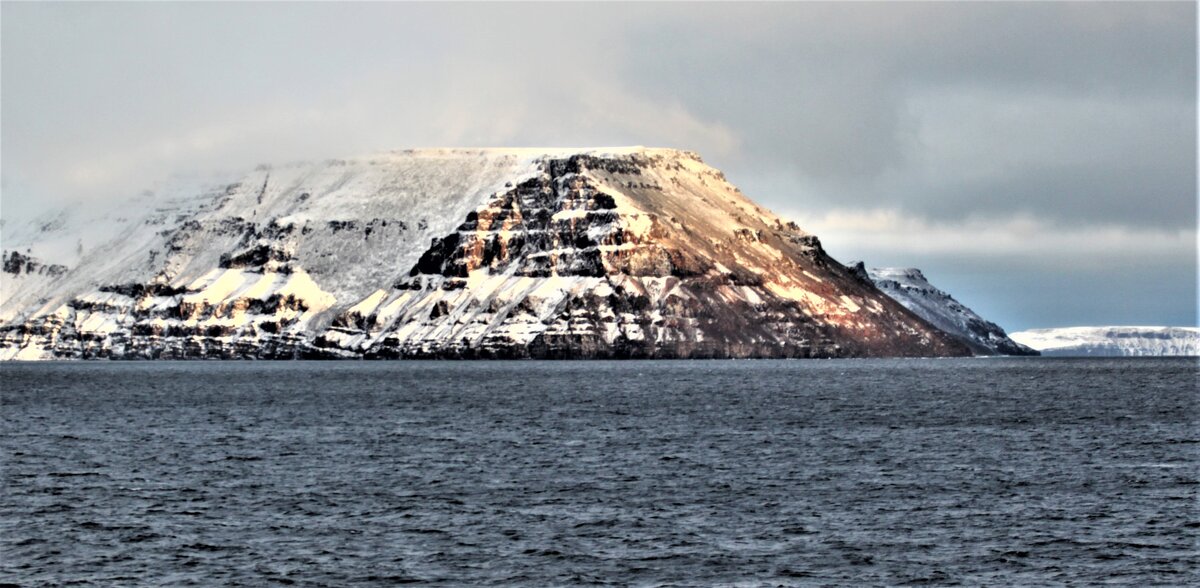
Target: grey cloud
{"x": 842, "y": 96}
{"x": 138, "y": 91}
{"x": 1122, "y": 194}
{"x": 1068, "y": 112}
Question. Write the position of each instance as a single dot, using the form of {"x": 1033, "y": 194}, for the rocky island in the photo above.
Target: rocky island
{"x": 447, "y": 253}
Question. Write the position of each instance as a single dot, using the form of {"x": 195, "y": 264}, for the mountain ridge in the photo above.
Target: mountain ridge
{"x": 599, "y": 252}
{"x": 910, "y": 287}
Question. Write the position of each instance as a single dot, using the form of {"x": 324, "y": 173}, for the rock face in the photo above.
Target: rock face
{"x": 469, "y": 253}
{"x": 1113, "y": 341}
{"x": 909, "y": 287}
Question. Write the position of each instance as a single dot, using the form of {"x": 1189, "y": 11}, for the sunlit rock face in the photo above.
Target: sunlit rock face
{"x": 450, "y": 253}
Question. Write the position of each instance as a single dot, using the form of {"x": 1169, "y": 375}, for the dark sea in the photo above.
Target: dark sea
{"x": 680, "y": 473}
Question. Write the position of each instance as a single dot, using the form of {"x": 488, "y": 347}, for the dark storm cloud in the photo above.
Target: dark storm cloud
{"x": 845, "y": 97}
{"x": 1129, "y": 194}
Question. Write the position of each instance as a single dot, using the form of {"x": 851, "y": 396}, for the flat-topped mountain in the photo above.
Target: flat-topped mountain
{"x": 447, "y": 253}
{"x": 909, "y": 287}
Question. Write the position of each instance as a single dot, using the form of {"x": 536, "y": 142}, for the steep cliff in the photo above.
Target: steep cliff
{"x": 909, "y": 287}
{"x": 628, "y": 252}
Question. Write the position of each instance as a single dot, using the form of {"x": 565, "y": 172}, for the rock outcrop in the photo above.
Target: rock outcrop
{"x": 909, "y": 287}
{"x": 455, "y": 253}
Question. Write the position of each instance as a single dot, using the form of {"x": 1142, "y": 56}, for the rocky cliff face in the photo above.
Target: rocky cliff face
{"x": 1113, "y": 341}
{"x": 909, "y": 287}
{"x": 628, "y": 252}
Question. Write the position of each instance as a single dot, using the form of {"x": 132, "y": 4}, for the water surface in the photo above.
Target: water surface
{"x": 844, "y": 472}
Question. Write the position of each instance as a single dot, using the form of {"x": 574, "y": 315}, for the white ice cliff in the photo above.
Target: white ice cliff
{"x": 1113, "y": 341}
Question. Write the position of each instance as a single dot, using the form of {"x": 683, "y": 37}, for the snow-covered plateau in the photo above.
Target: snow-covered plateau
{"x": 1113, "y": 341}
{"x": 909, "y": 287}
{"x": 446, "y": 253}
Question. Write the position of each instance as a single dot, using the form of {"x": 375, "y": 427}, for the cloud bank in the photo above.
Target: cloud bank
{"x": 1047, "y": 150}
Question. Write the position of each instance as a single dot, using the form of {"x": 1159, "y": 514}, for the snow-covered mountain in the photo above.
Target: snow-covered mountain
{"x": 1113, "y": 341}
{"x": 626, "y": 252}
{"x": 909, "y": 287}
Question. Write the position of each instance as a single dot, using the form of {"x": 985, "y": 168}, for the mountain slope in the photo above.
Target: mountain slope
{"x": 909, "y": 287}
{"x": 627, "y": 252}
{"x": 1113, "y": 341}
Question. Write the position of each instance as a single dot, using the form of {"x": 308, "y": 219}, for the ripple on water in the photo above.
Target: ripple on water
{"x": 1034, "y": 471}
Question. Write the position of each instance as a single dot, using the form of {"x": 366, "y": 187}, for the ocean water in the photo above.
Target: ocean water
{"x": 758, "y": 473}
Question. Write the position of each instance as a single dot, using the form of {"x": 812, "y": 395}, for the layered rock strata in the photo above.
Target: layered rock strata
{"x": 591, "y": 253}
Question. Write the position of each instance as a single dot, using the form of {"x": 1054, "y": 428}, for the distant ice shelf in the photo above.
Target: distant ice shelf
{"x": 1113, "y": 341}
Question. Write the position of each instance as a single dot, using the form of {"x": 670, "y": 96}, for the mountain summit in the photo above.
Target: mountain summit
{"x": 447, "y": 253}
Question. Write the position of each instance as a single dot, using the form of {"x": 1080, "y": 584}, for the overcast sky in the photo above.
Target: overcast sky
{"x": 1037, "y": 160}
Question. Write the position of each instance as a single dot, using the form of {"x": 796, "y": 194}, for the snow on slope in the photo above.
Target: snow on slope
{"x": 909, "y": 287}
{"x": 133, "y": 239}
{"x": 625, "y": 252}
{"x": 1113, "y": 341}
